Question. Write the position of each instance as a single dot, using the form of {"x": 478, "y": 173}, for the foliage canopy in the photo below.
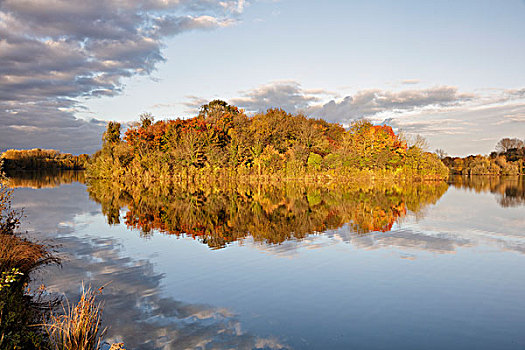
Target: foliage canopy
{"x": 222, "y": 139}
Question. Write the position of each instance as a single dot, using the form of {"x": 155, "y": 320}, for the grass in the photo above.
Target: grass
{"x": 78, "y": 327}
{"x": 17, "y": 252}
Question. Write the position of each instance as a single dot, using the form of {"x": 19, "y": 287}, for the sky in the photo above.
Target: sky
{"x": 450, "y": 71}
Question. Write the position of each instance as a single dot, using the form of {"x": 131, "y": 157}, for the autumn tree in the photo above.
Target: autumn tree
{"x": 221, "y": 139}
{"x": 275, "y": 128}
{"x": 215, "y": 110}
{"x": 112, "y": 133}
{"x": 146, "y": 119}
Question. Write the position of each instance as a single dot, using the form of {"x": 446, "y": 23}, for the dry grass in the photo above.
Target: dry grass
{"x": 79, "y": 326}
{"x": 16, "y": 252}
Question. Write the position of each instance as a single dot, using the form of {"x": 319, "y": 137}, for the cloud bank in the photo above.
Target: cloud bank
{"x": 461, "y": 122}
{"x": 369, "y": 103}
{"x": 287, "y": 95}
{"x": 54, "y": 52}
{"x": 290, "y": 96}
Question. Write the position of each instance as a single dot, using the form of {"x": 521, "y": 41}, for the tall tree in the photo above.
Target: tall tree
{"x": 506, "y": 144}
{"x": 146, "y": 119}
{"x": 215, "y": 110}
{"x": 112, "y": 133}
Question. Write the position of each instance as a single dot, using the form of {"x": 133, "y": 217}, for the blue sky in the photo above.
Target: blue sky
{"x": 451, "y": 71}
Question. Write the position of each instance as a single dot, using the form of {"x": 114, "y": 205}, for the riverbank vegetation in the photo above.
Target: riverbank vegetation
{"x": 28, "y": 321}
{"x": 223, "y": 141}
{"x": 507, "y": 159}
{"x": 77, "y": 327}
{"x": 41, "y": 159}
{"x": 20, "y": 311}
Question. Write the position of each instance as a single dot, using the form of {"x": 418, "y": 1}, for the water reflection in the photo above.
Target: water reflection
{"x": 407, "y": 240}
{"x": 509, "y": 190}
{"x": 44, "y": 178}
{"x": 171, "y": 294}
{"x": 270, "y": 214}
{"x": 136, "y": 310}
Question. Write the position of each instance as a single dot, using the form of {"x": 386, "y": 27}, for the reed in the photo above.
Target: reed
{"x": 17, "y": 252}
{"x": 78, "y": 327}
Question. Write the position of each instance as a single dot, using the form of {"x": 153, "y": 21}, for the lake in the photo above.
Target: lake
{"x": 290, "y": 266}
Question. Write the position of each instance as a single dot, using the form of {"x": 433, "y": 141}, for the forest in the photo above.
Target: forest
{"x": 222, "y": 140}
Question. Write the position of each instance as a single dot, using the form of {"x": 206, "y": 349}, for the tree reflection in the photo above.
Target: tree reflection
{"x": 44, "y": 178}
{"x": 509, "y": 190}
{"x": 272, "y": 213}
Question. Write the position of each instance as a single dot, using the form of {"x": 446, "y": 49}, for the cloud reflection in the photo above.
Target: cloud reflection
{"x": 135, "y": 311}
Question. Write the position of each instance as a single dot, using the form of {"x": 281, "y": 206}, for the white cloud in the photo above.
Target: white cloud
{"x": 52, "y": 52}
{"x": 287, "y": 95}
{"x": 369, "y": 103}
{"x": 410, "y": 81}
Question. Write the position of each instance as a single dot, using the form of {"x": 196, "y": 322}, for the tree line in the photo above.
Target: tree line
{"x": 507, "y": 159}
{"x": 222, "y": 139}
{"x": 37, "y": 158}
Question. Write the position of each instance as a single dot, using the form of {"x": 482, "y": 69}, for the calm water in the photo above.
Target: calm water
{"x": 291, "y": 267}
